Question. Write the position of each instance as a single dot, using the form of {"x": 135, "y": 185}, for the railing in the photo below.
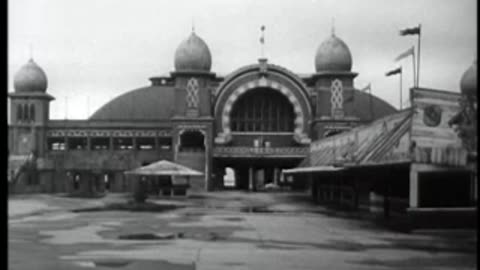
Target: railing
{"x": 241, "y": 151}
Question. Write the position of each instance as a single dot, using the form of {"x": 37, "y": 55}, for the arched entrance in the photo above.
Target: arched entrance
{"x": 262, "y": 126}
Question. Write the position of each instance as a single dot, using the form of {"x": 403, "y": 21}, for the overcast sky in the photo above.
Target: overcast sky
{"x": 95, "y": 50}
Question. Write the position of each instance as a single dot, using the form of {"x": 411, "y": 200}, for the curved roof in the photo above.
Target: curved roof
{"x": 333, "y": 55}
{"x": 146, "y": 103}
{"x": 193, "y": 54}
{"x": 30, "y": 78}
{"x": 358, "y": 106}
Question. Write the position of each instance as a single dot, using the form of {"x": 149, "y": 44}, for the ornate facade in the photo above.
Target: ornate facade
{"x": 258, "y": 120}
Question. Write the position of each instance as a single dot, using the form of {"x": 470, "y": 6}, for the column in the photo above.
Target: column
{"x": 157, "y": 146}
{"x": 89, "y": 143}
{"x": 134, "y": 143}
{"x": 250, "y": 178}
{"x": 414, "y": 193}
{"x": 110, "y": 143}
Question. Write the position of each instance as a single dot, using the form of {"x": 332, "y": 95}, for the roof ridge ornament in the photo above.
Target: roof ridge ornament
{"x": 30, "y": 52}
{"x": 263, "y": 65}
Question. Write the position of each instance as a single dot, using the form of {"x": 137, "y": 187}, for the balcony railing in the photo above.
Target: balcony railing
{"x": 242, "y": 151}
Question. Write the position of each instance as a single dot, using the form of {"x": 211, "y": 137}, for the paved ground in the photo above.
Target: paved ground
{"x": 231, "y": 230}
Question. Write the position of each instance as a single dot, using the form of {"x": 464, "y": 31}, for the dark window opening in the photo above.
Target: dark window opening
{"x": 192, "y": 141}
{"x": 77, "y": 143}
{"x": 26, "y": 115}
{"x": 32, "y": 179}
{"x": 123, "y": 143}
{"x": 145, "y": 143}
{"x": 20, "y": 112}
{"x": 100, "y": 143}
{"x": 56, "y": 144}
{"x": 165, "y": 143}
{"x": 445, "y": 189}
{"x": 262, "y": 110}
{"x": 32, "y": 112}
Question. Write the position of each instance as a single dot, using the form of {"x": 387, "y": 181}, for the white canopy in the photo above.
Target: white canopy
{"x": 164, "y": 167}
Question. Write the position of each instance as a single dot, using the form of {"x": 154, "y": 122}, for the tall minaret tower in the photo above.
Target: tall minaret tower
{"x": 29, "y": 111}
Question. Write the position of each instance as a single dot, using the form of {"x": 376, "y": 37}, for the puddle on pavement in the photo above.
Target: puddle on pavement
{"x": 205, "y": 236}
{"x": 112, "y": 264}
{"x": 133, "y": 207}
{"x": 259, "y": 209}
{"x": 150, "y": 236}
{"x": 233, "y": 219}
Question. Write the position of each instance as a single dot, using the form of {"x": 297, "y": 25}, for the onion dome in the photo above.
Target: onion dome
{"x": 30, "y": 78}
{"x": 193, "y": 55}
{"x": 468, "y": 84}
{"x": 333, "y": 55}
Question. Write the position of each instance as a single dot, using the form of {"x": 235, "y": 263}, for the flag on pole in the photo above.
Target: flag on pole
{"x": 410, "y": 31}
{"x": 405, "y": 54}
{"x": 394, "y": 71}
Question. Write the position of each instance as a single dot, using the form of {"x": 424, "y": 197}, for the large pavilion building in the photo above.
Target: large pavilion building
{"x": 258, "y": 120}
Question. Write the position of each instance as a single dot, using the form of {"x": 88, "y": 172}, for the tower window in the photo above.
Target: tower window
{"x": 19, "y": 112}
{"x": 32, "y": 112}
{"x": 26, "y": 115}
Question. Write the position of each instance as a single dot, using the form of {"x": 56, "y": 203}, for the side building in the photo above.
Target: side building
{"x": 417, "y": 166}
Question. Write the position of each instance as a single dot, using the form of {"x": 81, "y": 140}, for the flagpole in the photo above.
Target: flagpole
{"x": 418, "y": 54}
{"x": 414, "y": 74}
{"x": 401, "y": 89}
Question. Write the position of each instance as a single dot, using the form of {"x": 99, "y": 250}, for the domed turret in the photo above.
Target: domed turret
{"x": 30, "y": 78}
{"x": 193, "y": 55}
{"x": 333, "y": 55}
{"x": 468, "y": 84}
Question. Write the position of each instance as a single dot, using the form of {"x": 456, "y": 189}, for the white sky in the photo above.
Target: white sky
{"x": 95, "y": 50}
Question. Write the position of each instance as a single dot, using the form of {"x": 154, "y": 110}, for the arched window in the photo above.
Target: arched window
{"x": 32, "y": 112}
{"x": 26, "y": 115}
{"x": 262, "y": 110}
{"x": 20, "y": 112}
{"x": 192, "y": 141}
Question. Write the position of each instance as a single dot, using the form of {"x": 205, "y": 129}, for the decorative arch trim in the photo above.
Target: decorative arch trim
{"x": 299, "y": 123}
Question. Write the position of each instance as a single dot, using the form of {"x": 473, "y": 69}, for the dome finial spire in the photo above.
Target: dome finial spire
{"x": 333, "y": 26}
{"x": 193, "y": 25}
{"x": 30, "y": 51}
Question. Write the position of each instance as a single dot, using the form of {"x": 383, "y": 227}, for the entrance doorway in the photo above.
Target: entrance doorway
{"x": 252, "y": 174}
